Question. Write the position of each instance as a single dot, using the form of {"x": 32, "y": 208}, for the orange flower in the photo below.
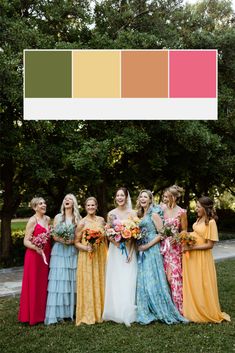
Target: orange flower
{"x": 126, "y": 234}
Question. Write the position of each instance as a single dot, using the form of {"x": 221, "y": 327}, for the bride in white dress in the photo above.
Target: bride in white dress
{"x": 121, "y": 271}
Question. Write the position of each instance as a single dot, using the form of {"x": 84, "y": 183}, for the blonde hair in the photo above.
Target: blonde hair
{"x": 91, "y": 198}
{"x": 140, "y": 210}
{"x": 76, "y": 213}
{"x": 174, "y": 193}
{"x": 35, "y": 201}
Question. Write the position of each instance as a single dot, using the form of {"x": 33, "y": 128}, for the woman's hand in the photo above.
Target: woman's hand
{"x": 172, "y": 240}
{"x": 115, "y": 243}
{"x": 143, "y": 247}
{"x": 38, "y": 250}
{"x": 129, "y": 258}
{"x": 69, "y": 242}
{"x": 187, "y": 248}
{"x": 89, "y": 248}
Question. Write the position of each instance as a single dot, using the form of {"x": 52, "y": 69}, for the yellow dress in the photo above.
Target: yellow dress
{"x": 91, "y": 280}
{"x": 200, "y": 292}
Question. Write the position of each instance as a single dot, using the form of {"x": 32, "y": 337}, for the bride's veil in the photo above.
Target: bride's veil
{"x": 129, "y": 203}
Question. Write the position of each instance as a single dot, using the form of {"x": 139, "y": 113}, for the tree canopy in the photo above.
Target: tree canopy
{"x": 52, "y": 158}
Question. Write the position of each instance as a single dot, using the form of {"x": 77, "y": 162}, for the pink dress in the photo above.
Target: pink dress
{"x": 172, "y": 260}
{"x": 34, "y": 285}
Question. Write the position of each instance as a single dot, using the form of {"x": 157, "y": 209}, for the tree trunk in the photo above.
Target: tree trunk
{"x": 186, "y": 198}
{"x": 10, "y": 205}
{"x": 101, "y": 193}
{"x": 6, "y": 240}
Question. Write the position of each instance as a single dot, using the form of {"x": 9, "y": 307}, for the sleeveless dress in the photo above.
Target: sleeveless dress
{"x": 90, "y": 280}
{"x": 200, "y": 292}
{"x": 172, "y": 260}
{"x": 62, "y": 281}
{"x": 120, "y": 288}
{"x": 153, "y": 295}
{"x": 34, "y": 284}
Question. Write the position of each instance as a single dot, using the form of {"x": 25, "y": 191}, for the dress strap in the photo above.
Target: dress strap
{"x": 157, "y": 209}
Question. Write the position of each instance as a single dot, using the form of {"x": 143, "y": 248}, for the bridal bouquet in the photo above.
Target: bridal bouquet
{"x": 64, "y": 231}
{"x": 93, "y": 238}
{"x": 122, "y": 231}
{"x": 40, "y": 241}
{"x": 187, "y": 239}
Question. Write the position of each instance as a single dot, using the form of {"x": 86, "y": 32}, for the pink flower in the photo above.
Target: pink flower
{"x": 118, "y": 237}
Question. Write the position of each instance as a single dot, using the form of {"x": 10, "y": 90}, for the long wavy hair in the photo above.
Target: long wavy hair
{"x": 140, "y": 209}
{"x": 208, "y": 205}
{"x": 76, "y": 214}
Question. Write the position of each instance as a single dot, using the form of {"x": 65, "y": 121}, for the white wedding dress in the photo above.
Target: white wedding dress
{"x": 120, "y": 288}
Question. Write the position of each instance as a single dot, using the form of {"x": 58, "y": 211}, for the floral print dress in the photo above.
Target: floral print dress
{"x": 172, "y": 260}
{"x": 154, "y": 301}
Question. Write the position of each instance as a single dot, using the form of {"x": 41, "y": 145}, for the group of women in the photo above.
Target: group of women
{"x": 153, "y": 280}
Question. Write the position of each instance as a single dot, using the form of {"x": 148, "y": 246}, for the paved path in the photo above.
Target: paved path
{"x": 11, "y": 278}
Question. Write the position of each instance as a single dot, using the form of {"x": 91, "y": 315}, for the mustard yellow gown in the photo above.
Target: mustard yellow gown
{"x": 91, "y": 280}
{"x": 200, "y": 292}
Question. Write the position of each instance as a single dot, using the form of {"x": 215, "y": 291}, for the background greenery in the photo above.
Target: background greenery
{"x": 52, "y": 158}
{"x": 116, "y": 338}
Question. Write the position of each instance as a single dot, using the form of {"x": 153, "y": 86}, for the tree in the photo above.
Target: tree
{"x": 52, "y": 158}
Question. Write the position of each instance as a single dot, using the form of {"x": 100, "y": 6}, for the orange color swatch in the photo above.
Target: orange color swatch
{"x": 144, "y": 74}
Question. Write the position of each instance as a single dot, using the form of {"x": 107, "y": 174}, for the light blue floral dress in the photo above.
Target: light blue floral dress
{"x": 61, "y": 298}
{"x": 153, "y": 295}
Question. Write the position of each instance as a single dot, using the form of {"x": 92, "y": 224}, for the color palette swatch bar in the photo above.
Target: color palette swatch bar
{"x": 120, "y": 84}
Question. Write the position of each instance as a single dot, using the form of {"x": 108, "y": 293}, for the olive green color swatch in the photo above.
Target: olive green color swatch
{"x": 48, "y": 74}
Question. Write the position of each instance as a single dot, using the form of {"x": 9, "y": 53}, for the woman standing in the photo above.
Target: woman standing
{"x": 91, "y": 266}
{"x": 153, "y": 296}
{"x": 63, "y": 264}
{"x": 35, "y": 277}
{"x": 200, "y": 293}
{"x": 174, "y": 216}
{"x": 121, "y": 272}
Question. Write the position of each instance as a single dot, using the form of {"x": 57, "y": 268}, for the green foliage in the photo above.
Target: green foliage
{"x": 117, "y": 338}
{"x": 51, "y": 158}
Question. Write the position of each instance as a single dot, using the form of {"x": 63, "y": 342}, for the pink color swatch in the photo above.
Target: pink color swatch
{"x": 192, "y": 74}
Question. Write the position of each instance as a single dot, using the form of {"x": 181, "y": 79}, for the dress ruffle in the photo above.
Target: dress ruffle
{"x": 62, "y": 283}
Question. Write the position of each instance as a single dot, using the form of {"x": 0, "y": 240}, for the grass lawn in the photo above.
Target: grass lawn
{"x": 116, "y": 338}
{"x": 18, "y": 225}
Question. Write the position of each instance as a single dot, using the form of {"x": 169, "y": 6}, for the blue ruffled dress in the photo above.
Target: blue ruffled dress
{"x": 153, "y": 295}
{"x": 61, "y": 297}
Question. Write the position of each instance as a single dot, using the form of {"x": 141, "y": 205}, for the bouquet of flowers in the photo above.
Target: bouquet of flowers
{"x": 169, "y": 229}
{"x": 122, "y": 231}
{"x": 93, "y": 238}
{"x": 141, "y": 240}
{"x": 40, "y": 241}
{"x": 64, "y": 231}
{"x": 187, "y": 239}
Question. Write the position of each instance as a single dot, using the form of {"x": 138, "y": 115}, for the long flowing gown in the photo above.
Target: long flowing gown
{"x": 62, "y": 281}
{"x": 153, "y": 295}
{"x": 200, "y": 292}
{"x": 34, "y": 284}
{"x": 172, "y": 260}
{"x": 90, "y": 280}
{"x": 120, "y": 288}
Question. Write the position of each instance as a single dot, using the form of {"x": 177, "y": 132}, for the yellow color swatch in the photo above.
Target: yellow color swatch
{"x": 96, "y": 74}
